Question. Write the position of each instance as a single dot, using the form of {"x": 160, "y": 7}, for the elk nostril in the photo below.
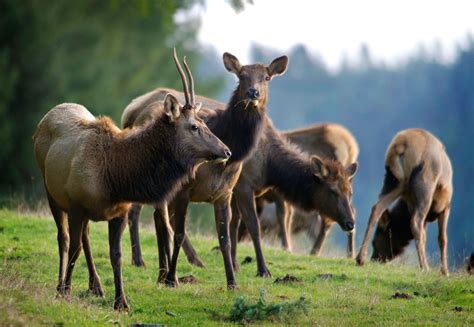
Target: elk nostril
{"x": 256, "y": 93}
{"x": 228, "y": 153}
{"x": 349, "y": 225}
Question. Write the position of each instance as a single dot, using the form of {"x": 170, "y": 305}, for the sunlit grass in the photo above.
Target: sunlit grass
{"x": 353, "y": 296}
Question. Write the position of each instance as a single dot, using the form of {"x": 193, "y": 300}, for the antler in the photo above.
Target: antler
{"x": 183, "y": 78}
{"x": 191, "y": 81}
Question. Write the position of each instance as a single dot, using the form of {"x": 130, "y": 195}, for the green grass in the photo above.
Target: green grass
{"x": 355, "y": 296}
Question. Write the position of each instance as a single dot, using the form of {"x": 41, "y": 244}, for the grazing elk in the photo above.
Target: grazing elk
{"x": 240, "y": 126}
{"x": 419, "y": 174}
{"x": 93, "y": 170}
{"x": 329, "y": 141}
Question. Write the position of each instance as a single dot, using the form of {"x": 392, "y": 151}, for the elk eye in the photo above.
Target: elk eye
{"x": 267, "y": 78}
{"x": 194, "y": 127}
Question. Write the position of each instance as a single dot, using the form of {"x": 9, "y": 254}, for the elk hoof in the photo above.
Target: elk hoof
{"x": 232, "y": 286}
{"x": 97, "y": 290}
{"x": 138, "y": 262}
{"x": 121, "y": 306}
{"x": 360, "y": 261}
{"x": 171, "y": 282}
{"x": 196, "y": 262}
{"x": 264, "y": 273}
{"x": 63, "y": 291}
{"x": 162, "y": 277}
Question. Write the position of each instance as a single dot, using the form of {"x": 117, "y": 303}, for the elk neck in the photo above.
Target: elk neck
{"x": 146, "y": 165}
{"x": 239, "y": 127}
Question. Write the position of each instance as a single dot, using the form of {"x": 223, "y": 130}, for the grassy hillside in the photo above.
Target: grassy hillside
{"x": 349, "y": 296}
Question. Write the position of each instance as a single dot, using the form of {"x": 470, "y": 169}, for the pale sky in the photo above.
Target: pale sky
{"x": 333, "y": 29}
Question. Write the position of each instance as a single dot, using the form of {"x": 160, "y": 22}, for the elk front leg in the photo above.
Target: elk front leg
{"x": 116, "y": 227}
{"x": 163, "y": 238}
{"x": 222, "y": 213}
{"x": 382, "y": 204}
{"x": 443, "y": 240}
{"x": 180, "y": 208}
{"x": 321, "y": 237}
{"x": 95, "y": 286}
{"x": 351, "y": 244}
{"x": 246, "y": 203}
{"x": 60, "y": 219}
{"x": 133, "y": 226}
{"x": 234, "y": 233}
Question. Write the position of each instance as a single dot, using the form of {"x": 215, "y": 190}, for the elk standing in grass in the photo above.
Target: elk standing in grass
{"x": 329, "y": 141}
{"x": 419, "y": 174}
{"x": 92, "y": 170}
{"x": 240, "y": 126}
{"x": 308, "y": 182}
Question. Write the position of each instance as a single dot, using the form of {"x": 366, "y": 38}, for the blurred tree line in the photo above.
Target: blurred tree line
{"x": 375, "y": 101}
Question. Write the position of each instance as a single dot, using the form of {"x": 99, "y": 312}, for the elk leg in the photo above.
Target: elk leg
{"x": 60, "y": 219}
{"x": 163, "y": 238}
{"x": 116, "y": 227}
{"x": 191, "y": 254}
{"x": 321, "y": 237}
{"x": 422, "y": 196}
{"x": 95, "y": 285}
{"x": 234, "y": 233}
{"x": 246, "y": 203}
{"x": 351, "y": 244}
{"x": 133, "y": 226}
{"x": 443, "y": 240}
{"x": 382, "y": 204}
{"x": 180, "y": 208}
{"x": 281, "y": 214}
{"x": 75, "y": 222}
{"x": 289, "y": 220}
{"x": 222, "y": 214}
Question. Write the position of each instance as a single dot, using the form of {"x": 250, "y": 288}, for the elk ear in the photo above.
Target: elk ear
{"x": 352, "y": 169}
{"x": 172, "y": 107}
{"x": 278, "y": 66}
{"x": 318, "y": 168}
{"x": 197, "y": 107}
{"x": 231, "y": 63}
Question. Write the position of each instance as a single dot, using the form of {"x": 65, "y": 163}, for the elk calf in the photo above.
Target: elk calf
{"x": 93, "y": 170}
{"x": 419, "y": 174}
{"x": 329, "y": 141}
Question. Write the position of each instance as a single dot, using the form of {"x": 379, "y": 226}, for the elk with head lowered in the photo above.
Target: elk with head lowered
{"x": 418, "y": 174}
{"x": 94, "y": 171}
{"x": 239, "y": 126}
{"x": 329, "y": 141}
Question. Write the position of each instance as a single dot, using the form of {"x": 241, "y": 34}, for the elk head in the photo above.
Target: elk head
{"x": 393, "y": 233}
{"x": 335, "y": 195}
{"x": 254, "y": 79}
{"x": 194, "y": 137}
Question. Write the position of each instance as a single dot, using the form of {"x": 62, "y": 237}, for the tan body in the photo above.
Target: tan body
{"x": 70, "y": 149}
{"x": 419, "y": 172}
{"x": 330, "y": 141}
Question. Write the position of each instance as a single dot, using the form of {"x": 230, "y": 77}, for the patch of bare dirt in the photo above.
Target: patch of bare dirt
{"x": 190, "y": 279}
{"x": 400, "y": 295}
{"x": 247, "y": 260}
{"x": 288, "y": 279}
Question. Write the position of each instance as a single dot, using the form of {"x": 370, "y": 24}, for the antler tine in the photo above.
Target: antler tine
{"x": 191, "y": 81}
{"x": 183, "y": 77}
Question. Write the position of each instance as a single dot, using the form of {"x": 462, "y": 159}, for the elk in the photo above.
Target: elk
{"x": 306, "y": 181}
{"x": 94, "y": 171}
{"x": 329, "y": 141}
{"x": 418, "y": 173}
{"x": 240, "y": 126}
